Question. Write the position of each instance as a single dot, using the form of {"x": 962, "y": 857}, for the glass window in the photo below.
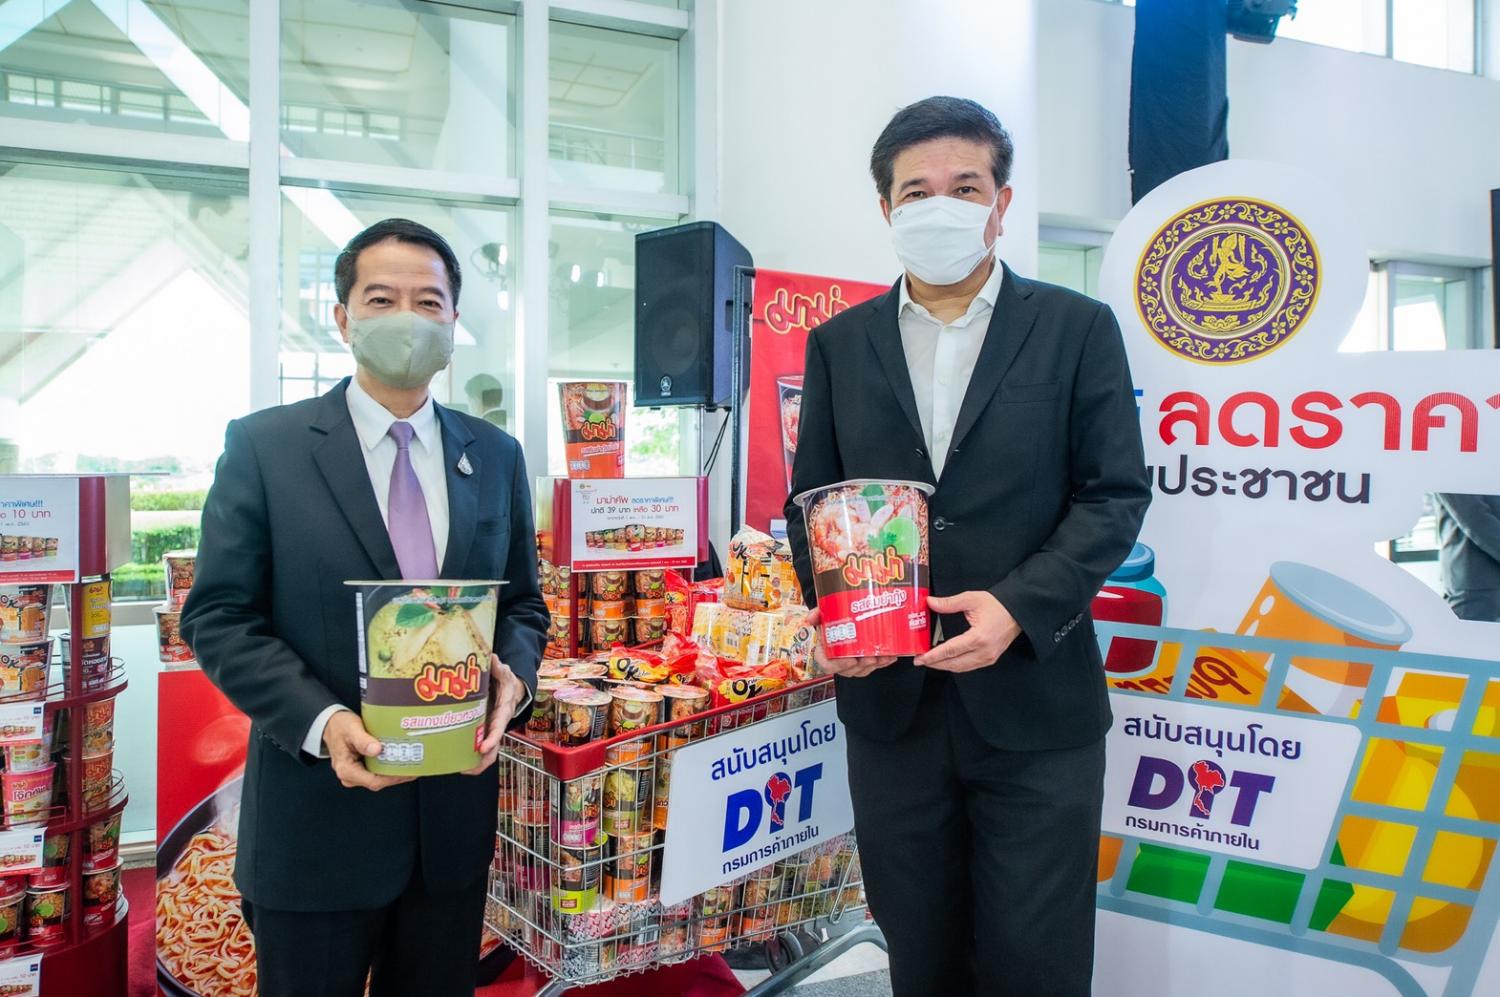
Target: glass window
{"x": 612, "y": 109}
{"x": 356, "y": 74}
{"x": 317, "y": 223}
{"x": 1487, "y": 308}
{"x": 1070, "y": 265}
{"x": 159, "y": 65}
{"x": 1437, "y": 33}
{"x": 1364, "y": 335}
{"x": 1356, "y": 25}
{"x": 1430, "y": 312}
{"x": 123, "y": 337}
{"x": 592, "y": 332}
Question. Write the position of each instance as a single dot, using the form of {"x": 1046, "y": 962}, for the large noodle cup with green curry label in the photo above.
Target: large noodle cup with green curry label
{"x": 868, "y": 544}
{"x": 425, "y": 671}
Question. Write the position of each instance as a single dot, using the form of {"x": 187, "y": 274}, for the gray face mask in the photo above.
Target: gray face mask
{"x": 401, "y": 349}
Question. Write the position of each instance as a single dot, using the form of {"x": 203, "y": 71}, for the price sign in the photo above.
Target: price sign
{"x": 20, "y": 723}
{"x": 629, "y": 523}
{"x": 21, "y": 851}
{"x": 38, "y": 529}
{"x": 21, "y": 977}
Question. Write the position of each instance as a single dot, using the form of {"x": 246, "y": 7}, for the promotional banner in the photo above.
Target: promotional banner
{"x": 630, "y": 523}
{"x": 1303, "y": 787}
{"x": 38, "y": 529}
{"x": 742, "y": 800}
{"x": 785, "y": 307}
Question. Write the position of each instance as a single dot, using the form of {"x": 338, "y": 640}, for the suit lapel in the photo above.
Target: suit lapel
{"x": 1009, "y": 326}
{"x": 885, "y": 336}
{"x": 463, "y": 490}
{"x": 340, "y": 459}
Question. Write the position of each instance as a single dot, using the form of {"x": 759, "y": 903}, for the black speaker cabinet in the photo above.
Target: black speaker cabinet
{"x": 684, "y": 322}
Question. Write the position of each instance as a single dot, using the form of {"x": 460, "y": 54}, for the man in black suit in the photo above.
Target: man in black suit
{"x": 345, "y": 874}
{"x": 977, "y": 768}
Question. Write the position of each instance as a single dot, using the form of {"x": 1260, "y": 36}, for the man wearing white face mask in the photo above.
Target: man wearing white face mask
{"x": 976, "y": 769}
{"x": 348, "y": 876}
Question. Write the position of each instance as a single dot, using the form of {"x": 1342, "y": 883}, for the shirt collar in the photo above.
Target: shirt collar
{"x": 988, "y": 294}
{"x": 372, "y": 420}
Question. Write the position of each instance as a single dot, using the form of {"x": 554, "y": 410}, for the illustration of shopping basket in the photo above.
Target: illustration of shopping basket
{"x": 1407, "y": 871}
{"x": 578, "y": 863}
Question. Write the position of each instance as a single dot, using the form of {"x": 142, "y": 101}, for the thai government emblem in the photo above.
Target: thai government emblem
{"x": 1227, "y": 280}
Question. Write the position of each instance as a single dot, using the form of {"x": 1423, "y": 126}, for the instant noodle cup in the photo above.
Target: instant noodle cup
{"x": 530, "y": 785}
{"x": 553, "y": 670}
{"x": 676, "y": 922}
{"x": 47, "y": 915}
{"x": 683, "y": 703}
{"x": 591, "y": 673}
{"x": 609, "y": 586}
{"x": 581, "y": 715}
{"x": 716, "y": 900}
{"x": 99, "y": 726}
{"x": 713, "y": 934}
{"x": 27, "y": 795}
{"x": 651, "y": 630}
{"x": 541, "y": 722}
{"x": 24, "y": 610}
{"x": 180, "y": 566}
{"x": 96, "y": 608}
{"x": 610, "y": 633}
{"x": 24, "y": 669}
{"x": 425, "y": 671}
{"x": 103, "y": 844}
{"x": 12, "y": 904}
{"x": 632, "y": 709}
{"x": 627, "y": 877}
{"x": 97, "y": 772}
{"x": 650, "y": 609}
{"x": 650, "y": 583}
{"x": 627, "y": 799}
{"x": 101, "y": 894}
{"x": 575, "y": 888}
{"x": 601, "y": 611}
{"x": 869, "y": 548}
{"x": 531, "y": 866}
{"x": 593, "y": 415}
{"x": 55, "y": 851}
{"x": 575, "y": 819}
{"x": 170, "y": 647}
{"x": 95, "y": 653}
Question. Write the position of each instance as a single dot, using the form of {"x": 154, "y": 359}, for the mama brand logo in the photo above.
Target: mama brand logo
{"x": 1227, "y": 281}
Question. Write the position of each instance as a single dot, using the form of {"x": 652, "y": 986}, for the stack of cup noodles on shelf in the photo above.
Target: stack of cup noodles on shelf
{"x": 615, "y": 607}
{"x": 27, "y": 548}
{"x": 25, "y": 646}
{"x": 181, "y": 566}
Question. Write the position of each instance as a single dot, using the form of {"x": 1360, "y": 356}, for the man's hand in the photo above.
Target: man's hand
{"x": 991, "y": 631}
{"x": 506, "y": 693}
{"x": 349, "y": 744}
{"x": 849, "y": 668}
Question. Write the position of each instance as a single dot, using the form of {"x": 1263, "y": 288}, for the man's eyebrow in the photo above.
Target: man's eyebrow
{"x": 914, "y": 181}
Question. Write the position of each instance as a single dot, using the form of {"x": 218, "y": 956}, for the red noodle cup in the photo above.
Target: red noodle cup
{"x": 593, "y": 416}
{"x": 95, "y": 651}
{"x": 103, "y": 844}
{"x": 23, "y": 612}
{"x": 180, "y": 566}
{"x": 97, "y": 770}
{"x": 24, "y": 669}
{"x": 170, "y": 646}
{"x": 101, "y": 893}
{"x": 575, "y": 819}
{"x": 789, "y": 395}
{"x": 12, "y": 887}
{"x": 47, "y": 915}
{"x": 99, "y": 726}
{"x": 870, "y": 566}
{"x": 12, "y": 905}
{"x": 55, "y": 851}
{"x": 28, "y": 795}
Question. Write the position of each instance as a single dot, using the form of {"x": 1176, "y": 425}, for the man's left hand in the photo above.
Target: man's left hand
{"x": 991, "y": 631}
{"x": 506, "y": 693}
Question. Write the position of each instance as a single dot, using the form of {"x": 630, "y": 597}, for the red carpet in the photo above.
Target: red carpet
{"x": 707, "y": 977}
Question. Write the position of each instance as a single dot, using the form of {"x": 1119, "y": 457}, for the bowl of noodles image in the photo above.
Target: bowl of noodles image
{"x": 203, "y": 945}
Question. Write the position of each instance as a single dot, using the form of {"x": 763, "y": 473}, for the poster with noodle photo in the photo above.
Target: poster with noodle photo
{"x": 21, "y": 977}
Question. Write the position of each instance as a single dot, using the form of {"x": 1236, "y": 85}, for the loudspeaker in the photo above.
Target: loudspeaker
{"x": 684, "y": 322}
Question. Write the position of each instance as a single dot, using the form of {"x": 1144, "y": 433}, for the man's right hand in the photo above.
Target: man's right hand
{"x": 849, "y": 668}
{"x": 349, "y": 744}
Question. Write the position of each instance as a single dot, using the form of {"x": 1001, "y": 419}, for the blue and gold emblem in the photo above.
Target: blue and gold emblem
{"x": 1227, "y": 280}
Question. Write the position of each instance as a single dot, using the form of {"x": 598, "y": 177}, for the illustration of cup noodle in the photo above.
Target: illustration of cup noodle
{"x": 789, "y": 397}
{"x": 14, "y": 547}
{"x": 581, "y": 715}
{"x": 99, "y": 726}
{"x": 627, "y": 877}
{"x": 609, "y": 586}
{"x": 101, "y": 895}
{"x": 47, "y": 914}
{"x": 870, "y": 566}
{"x": 95, "y": 652}
{"x": 593, "y": 415}
{"x": 575, "y": 813}
{"x": 24, "y": 669}
{"x": 55, "y": 851}
{"x": 12, "y": 905}
{"x": 103, "y": 844}
{"x": 575, "y": 887}
{"x": 650, "y": 583}
{"x": 24, "y": 610}
{"x": 28, "y": 795}
{"x": 180, "y": 566}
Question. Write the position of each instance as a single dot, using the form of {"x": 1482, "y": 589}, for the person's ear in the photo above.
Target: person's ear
{"x": 885, "y": 210}
{"x": 341, "y": 316}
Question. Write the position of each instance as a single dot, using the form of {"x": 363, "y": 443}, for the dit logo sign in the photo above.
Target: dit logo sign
{"x": 748, "y": 810}
{"x": 1161, "y": 784}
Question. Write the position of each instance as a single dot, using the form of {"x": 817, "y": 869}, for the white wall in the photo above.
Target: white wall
{"x": 1420, "y": 147}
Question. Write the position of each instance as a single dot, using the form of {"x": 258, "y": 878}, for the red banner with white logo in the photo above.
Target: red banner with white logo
{"x": 785, "y": 308}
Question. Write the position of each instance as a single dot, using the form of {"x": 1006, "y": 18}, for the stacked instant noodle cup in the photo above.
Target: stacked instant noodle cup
{"x": 615, "y": 607}
{"x": 181, "y": 566}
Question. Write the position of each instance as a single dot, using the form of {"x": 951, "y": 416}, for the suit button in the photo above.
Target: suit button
{"x": 940, "y": 524}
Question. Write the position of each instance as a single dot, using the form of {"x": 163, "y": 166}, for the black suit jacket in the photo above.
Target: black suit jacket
{"x": 1041, "y": 497}
{"x": 292, "y": 516}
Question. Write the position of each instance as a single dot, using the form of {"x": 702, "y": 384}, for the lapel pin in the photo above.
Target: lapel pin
{"x": 464, "y": 467}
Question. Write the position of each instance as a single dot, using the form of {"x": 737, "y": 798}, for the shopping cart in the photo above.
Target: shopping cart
{"x": 1425, "y": 891}
{"x": 579, "y": 858}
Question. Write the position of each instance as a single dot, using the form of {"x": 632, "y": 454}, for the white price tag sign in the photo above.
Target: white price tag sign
{"x": 20, "y": 851}
{"x": 20, "y": 722}
{"x": 743, "y": 800}
{"x": 633, "y": 523}
{"x": 21, "y": 977}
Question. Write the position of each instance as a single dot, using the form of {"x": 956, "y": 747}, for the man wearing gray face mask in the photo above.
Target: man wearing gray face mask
{"x": 347, "y": 876}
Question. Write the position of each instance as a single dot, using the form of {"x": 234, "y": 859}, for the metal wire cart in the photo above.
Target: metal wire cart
{"x": 576, "y": 876}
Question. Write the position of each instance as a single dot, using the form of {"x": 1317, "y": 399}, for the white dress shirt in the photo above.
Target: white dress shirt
{"x": 372, "y": 423}
{"x": 941, "y": 360}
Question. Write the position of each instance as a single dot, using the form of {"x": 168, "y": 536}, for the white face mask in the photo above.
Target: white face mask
{"x": 940, "y": 240}
{"x": 401, "y": 349}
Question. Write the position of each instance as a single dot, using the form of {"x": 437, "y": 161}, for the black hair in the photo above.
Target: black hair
{"x": 402, "y": 230}
{"x": 940, "y": 117}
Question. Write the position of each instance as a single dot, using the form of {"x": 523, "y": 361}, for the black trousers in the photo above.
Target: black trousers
{"x": 980, "y": 864}
{"x": 423, "y": 945}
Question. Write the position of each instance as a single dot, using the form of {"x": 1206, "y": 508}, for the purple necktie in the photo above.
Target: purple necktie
{"x": 406, "y": 512}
